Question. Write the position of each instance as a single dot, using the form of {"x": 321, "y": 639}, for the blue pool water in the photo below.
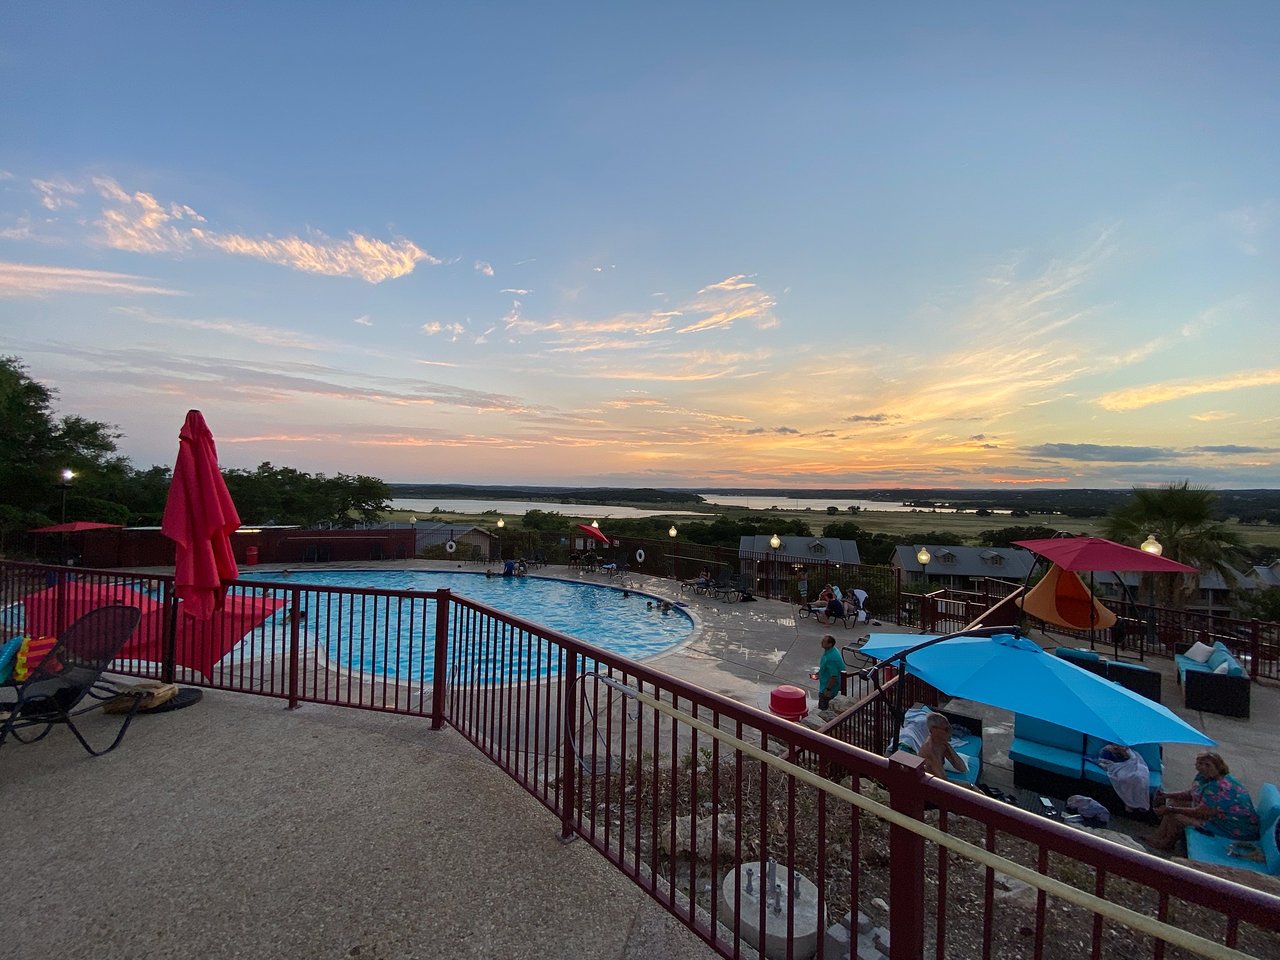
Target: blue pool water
{"x": 592, "y": 612}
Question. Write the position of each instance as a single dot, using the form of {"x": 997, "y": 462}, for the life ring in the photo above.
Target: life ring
{"x": 450, "y": 546}
{"x": 639, "y": 556}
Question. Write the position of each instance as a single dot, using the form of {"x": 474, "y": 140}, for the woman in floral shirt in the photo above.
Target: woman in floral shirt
{"x": 1216, "y": 803}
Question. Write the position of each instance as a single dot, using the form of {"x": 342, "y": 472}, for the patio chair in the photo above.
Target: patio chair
{"x": 70, "y": 674}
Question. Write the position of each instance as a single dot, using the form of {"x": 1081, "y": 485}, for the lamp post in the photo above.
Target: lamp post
{"x": 413, "y": 529}
{"x": 675, "y": 559}
{"x": 1152, "y": 546}
{"x": 67, "y": 476}
{"x": 501, "y": 523}
{"x": 926, "y": 615}
{"x": 775, "y": 542}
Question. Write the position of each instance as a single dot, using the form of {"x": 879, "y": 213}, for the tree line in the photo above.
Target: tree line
{"x": 37, "y": 445}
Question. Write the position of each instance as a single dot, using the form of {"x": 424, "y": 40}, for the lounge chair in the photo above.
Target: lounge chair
{"x": 70, "y": 674}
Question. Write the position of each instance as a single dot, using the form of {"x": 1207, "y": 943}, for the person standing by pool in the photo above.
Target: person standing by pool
{"x": 830, "y": 667}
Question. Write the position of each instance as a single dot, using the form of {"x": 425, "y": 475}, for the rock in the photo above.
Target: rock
{"x": 879, "y": 904}
{"x": 1014, "y": 892}
{"x": 726, "y": 830}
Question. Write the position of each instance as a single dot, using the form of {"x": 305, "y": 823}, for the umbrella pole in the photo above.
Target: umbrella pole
{"x": 170, "y": 635}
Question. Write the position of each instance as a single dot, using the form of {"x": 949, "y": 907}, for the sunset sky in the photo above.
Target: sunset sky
{"x": 661, "y": 244}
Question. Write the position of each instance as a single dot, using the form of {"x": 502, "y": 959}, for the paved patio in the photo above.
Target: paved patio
{"x": 238, "y": 828}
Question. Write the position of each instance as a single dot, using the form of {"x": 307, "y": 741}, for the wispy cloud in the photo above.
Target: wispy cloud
{"x": 360, "y": 256}
{"x": 721, "y": 304}
{"x": 455, "y": 330}
{"x": 516, "y": 291}
{"x": 484, "y": 268}
{"x": 56, "y": 194}
{"x": 138, "y": 222}
{"x": 1136, "y": 398}
{"x": 27, "y": 280}
{"x": 363, "y": 321}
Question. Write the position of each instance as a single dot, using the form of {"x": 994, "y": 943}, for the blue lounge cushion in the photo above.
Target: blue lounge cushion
{"x": 1219, "y": 850}
{"x": 1049, "y": 734}
{"x": 9, "y": 654}
{"x": 1067, "y": 763}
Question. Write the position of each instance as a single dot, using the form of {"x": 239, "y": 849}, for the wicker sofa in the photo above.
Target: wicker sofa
{"x": 1210, "y": 687}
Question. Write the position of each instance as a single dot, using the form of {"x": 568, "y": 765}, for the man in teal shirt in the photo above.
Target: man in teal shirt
{"x": 829, "y": 668}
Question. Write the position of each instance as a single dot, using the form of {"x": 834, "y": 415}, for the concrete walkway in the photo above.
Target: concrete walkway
{"x": 238, "y": 828}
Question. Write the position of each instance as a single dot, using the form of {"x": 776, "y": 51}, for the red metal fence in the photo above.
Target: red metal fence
{"x": 684, "y": 791}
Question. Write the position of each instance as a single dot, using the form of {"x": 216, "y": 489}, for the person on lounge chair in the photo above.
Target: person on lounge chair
{"x": 937, "y": 751}
{"x": 833, "y": 611}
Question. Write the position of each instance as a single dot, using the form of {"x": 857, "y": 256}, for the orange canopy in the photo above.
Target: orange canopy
{"x": 1062, "y": 599}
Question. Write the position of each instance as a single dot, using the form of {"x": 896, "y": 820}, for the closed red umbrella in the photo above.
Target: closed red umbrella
{"x": 200, "y": 518}
{"x": 594, "y": 533}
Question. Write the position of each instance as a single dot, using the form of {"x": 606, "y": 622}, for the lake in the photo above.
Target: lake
{"x": 521, "y": 507}
{"x": 600, "y": 512}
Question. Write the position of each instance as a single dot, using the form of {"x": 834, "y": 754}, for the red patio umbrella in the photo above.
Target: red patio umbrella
{"x": 1095, "y": 553}
{"x": 200, "y": 517}
{"x": 198, "y": 645}
{"x": 594, "y": 533}
{"x": 76, "y": 526}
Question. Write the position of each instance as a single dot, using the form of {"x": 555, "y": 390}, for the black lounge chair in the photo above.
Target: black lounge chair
{"x": 71, "y": 673}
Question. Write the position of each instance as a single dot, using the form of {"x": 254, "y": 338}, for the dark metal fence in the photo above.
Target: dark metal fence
{"x": 684, "y": 791}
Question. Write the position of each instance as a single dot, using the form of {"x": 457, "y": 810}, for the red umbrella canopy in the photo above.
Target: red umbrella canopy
{"x": 594, "y": 533}
{"x": 77, "y": 526}
{"x": 1095, "y": 553}
{"x": 200, "y": 517}
{"x": 198, "y": 645}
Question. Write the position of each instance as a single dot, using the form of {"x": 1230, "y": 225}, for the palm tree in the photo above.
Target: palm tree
{"x": 1183, "y": 519}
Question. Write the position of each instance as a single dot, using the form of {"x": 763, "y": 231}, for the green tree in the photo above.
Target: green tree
{"x": 1005, "y": 536}
{"x": 36, "y": 446}
{"x": 1186, "y": 522}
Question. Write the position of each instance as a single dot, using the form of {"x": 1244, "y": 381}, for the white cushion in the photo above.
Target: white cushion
{"x": 1199, "y": 652}
{"x": 1223, "y": 667}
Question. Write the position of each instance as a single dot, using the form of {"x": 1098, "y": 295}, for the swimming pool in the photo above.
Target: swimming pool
{"x": 598, "y": 614}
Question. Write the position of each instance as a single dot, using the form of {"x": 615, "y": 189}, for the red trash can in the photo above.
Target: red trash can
{"x": 788, "y": 702}
{"x": 250, "y": 556}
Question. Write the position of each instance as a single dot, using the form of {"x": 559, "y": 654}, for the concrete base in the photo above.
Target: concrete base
{"x": 795, "y": 903}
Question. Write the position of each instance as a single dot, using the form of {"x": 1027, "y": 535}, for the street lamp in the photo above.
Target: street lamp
{"x": 675, "y": 560}
{"x": 1152, "y": 546}
{"x": 501, "y": 523}
{"x": 923, "y": 557}
{"x": 775, "y": 541}
{"x": 67, "y": 476}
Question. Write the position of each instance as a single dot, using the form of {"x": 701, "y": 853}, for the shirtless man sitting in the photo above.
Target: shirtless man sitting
{"x": 936, "y": 751}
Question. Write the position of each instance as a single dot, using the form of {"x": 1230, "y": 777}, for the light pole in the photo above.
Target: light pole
{"x": 67, "y": 476}
{"x": 675, "y": 560}
{"x": 923, "y": 557}
{"x": 1152, "y": 546}
{"x": 413, "y": 529}
{"x": 775, "y": 541}
{"x": 501, "y": 523}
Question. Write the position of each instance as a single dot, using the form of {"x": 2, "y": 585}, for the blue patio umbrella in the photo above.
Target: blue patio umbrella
{"x": 1015, "y": 674}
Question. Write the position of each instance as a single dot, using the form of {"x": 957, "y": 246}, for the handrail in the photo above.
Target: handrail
{"x": 1063, "y": 891}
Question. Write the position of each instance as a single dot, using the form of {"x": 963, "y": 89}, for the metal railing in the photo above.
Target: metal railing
{"x": 684, "y": 791}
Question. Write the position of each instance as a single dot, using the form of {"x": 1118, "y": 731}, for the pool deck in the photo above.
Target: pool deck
{"x": 236, "y": 828}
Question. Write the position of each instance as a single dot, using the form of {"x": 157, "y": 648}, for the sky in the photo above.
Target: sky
{"x": 695, "y": 244}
